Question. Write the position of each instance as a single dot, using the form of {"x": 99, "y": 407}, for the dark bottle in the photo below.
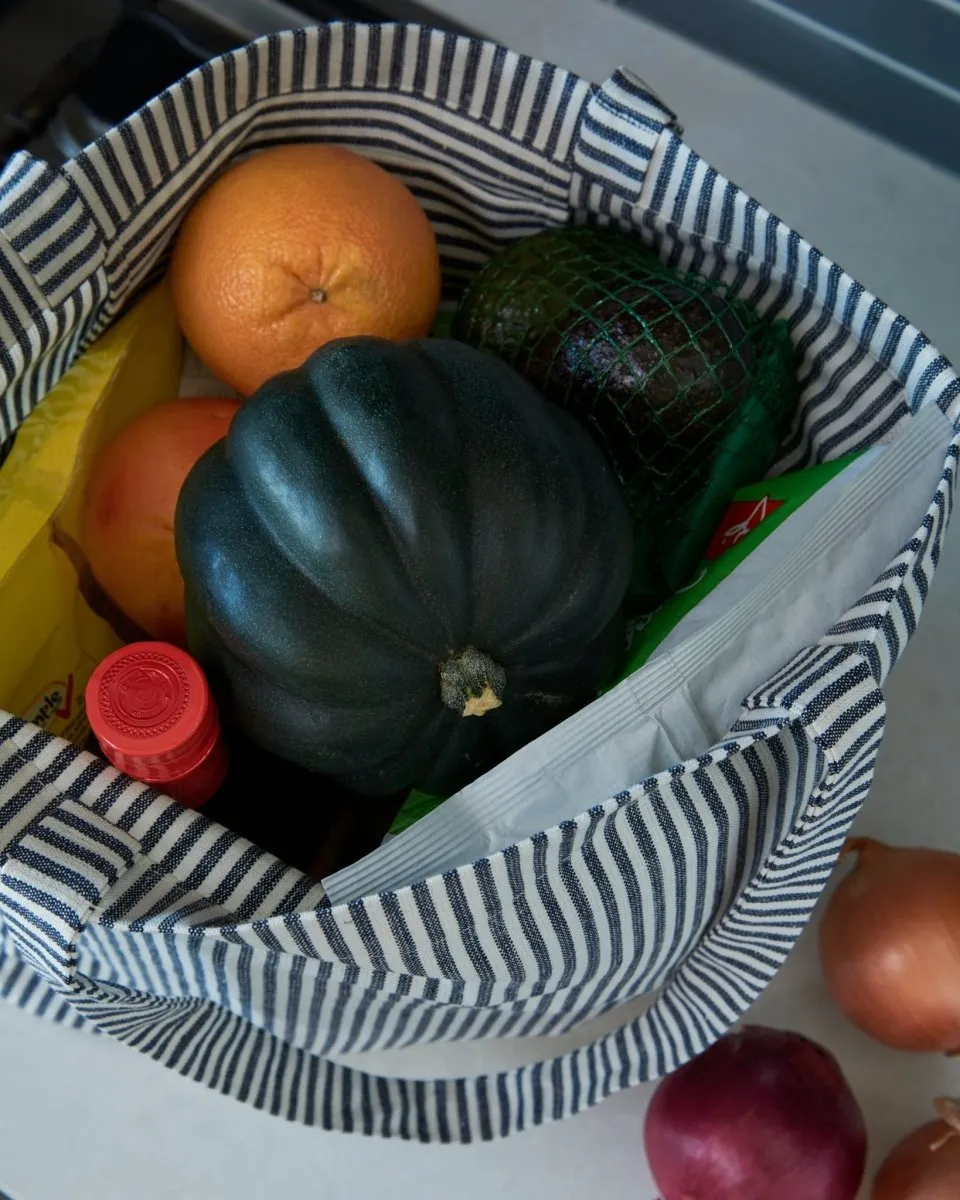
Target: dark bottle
{"x": 152, "y": 715}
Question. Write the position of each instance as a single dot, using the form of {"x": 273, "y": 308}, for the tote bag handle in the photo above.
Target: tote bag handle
{"x": 62, "y": 865}
{"x": 52, "y": 281}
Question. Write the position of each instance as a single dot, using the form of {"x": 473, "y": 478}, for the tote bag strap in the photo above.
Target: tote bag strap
{"x": 59, "y": 858}
{"x": 620, "y": 128}
{"x": 52, "y": 281}
{"x": 59, "y": 870}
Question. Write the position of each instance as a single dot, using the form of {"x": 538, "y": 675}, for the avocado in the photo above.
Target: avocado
{"x": 654, "y": 362}
{"x": 688, "y": 391}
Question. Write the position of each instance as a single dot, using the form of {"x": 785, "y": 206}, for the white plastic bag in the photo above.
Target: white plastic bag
{"x": 797, "y": 582}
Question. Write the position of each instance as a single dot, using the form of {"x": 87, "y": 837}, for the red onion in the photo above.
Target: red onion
{"x": 890, "y": 945}
{"x": 926, "y": 1164}
{"x": 762, "y": 1115}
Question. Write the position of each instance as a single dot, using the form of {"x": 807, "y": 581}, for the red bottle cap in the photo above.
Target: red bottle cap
{"x": 150, "y": 708}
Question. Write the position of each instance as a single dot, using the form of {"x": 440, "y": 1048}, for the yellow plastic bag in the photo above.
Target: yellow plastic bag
{"x": 55, "y": 624}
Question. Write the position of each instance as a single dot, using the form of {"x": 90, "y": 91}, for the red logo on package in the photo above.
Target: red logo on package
{"x": 64, "y": 710}
{"x": 738, "y": 520}
{"x": 56, "y": 700}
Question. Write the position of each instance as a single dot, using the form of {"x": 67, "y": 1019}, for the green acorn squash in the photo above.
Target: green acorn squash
{"x": 402, "y": 564}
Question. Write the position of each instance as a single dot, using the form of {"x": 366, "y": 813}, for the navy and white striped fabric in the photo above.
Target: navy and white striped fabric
{"x": 127, "y": 915}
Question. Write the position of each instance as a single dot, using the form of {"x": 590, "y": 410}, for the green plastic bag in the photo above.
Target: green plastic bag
{"x": 751, "y": 516}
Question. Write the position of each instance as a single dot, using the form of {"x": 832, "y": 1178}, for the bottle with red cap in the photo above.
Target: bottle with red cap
{"x": 150, "y": 708}
{"x": 152, "y": 713}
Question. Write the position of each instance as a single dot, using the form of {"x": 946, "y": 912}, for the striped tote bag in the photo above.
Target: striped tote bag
{"x": 126, "y": 915}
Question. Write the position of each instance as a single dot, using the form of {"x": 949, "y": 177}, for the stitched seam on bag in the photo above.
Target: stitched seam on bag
{"x": 816, "y": 807}
{"x": 49, "y": 776}
{"x": 817, "y": 731}
{"x": 622, "y": 112}
{"x": 41, "y": 881}
{"x": 58, "y": 177}
{"x": 38, "y": 298}
{"x": 765, "y": 874}
{"x": 91, "y": 214}
{"x": 23, "y": 761}
{"x": 918, "y": 548}
{"x": 798, "y": 714}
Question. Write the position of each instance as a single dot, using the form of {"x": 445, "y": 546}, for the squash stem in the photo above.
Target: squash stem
{"x": 471, "y": 683}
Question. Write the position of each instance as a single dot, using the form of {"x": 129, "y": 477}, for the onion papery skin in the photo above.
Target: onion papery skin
{"x": 925, "y": 1165}
{"x": 890, "y": 946}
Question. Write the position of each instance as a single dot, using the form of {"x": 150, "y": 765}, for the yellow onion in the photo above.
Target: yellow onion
{"x": 926, "y": 1164}
{"x": 890, "y": 946}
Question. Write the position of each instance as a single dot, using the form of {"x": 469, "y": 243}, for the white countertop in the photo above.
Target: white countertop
{"x": 88, "y": 1115}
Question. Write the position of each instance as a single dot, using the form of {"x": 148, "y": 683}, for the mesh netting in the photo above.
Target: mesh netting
{"x": 688, "y": 392}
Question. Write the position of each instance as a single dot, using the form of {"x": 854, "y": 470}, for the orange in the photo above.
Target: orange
{"x": 296, "y": 246}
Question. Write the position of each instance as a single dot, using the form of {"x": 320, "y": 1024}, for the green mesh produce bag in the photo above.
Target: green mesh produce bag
{"x": 688, "y": 392}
